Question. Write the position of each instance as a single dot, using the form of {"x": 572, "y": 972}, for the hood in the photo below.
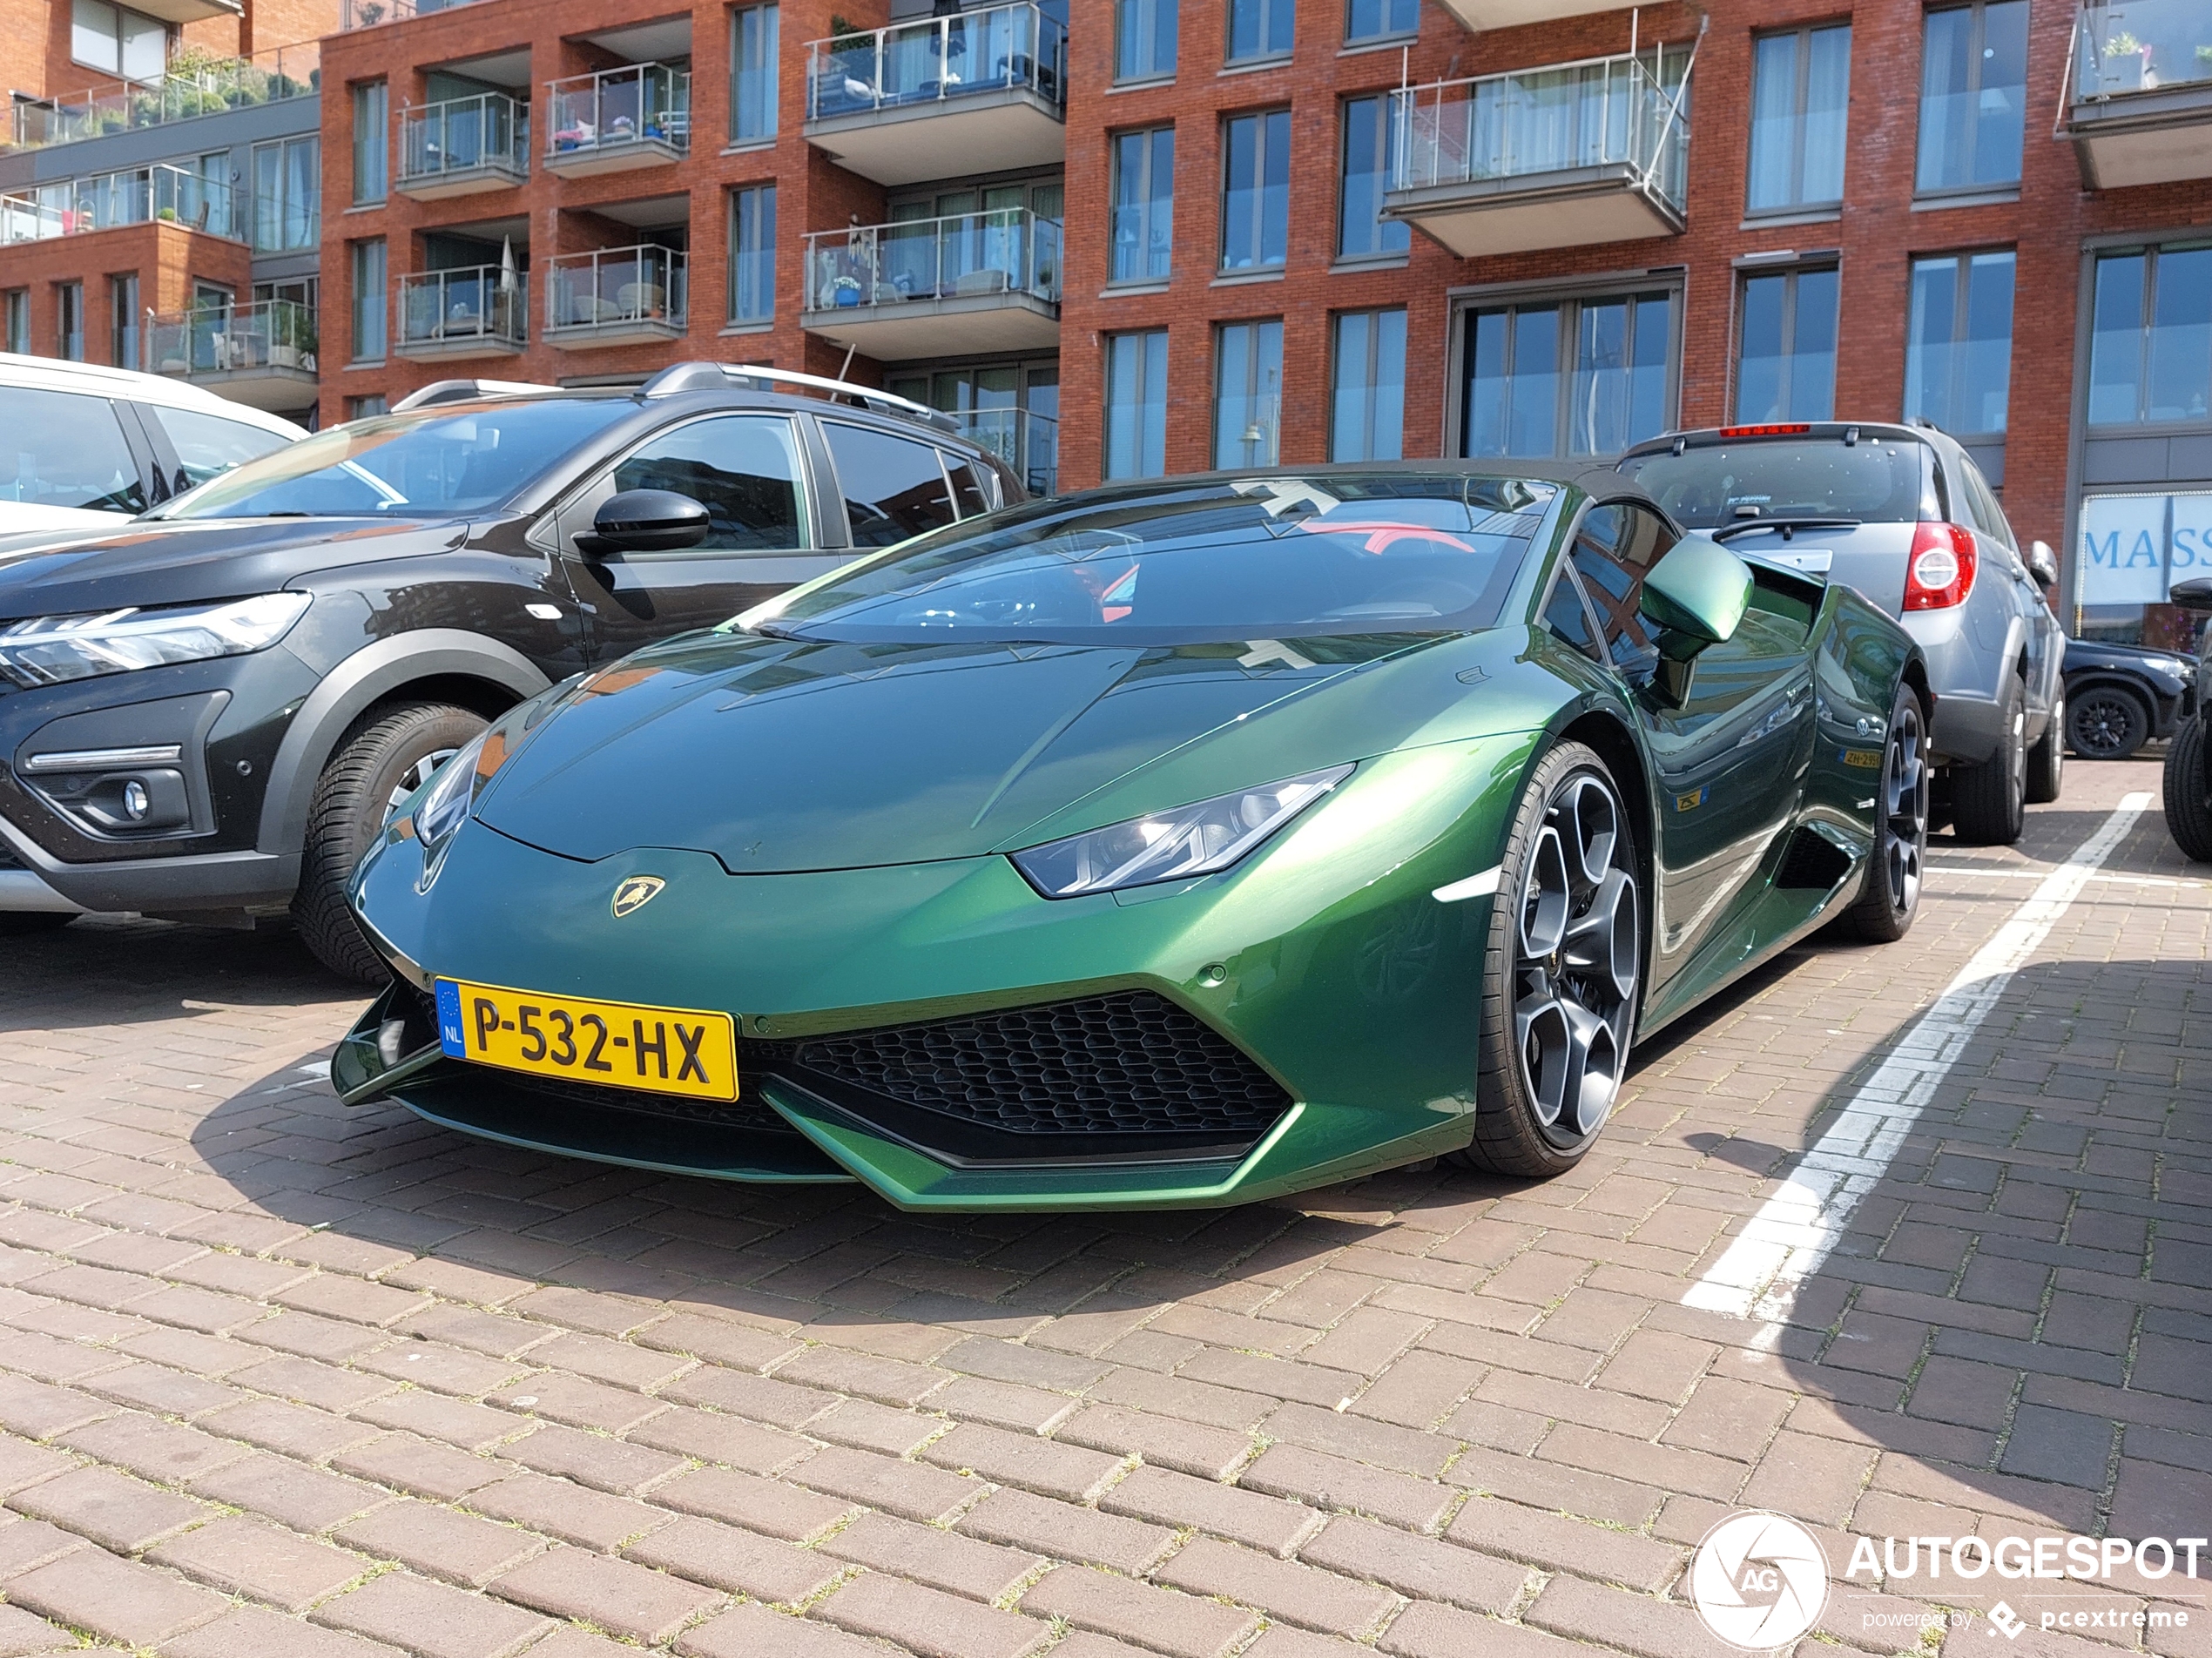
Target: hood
{"x": 18, "y": 517}
{"x": 185, "y": 560}
{"x": 782, "y": 756}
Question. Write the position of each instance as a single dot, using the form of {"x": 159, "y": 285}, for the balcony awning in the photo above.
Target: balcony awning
{"x": 905, "y": 144}
{"x": 188, "y": 11}
{"x": 1007, "y": 321}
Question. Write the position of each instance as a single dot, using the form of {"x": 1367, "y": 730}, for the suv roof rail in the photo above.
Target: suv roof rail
{"x": 699, "y": 376}
{"x": 462, "y": 391}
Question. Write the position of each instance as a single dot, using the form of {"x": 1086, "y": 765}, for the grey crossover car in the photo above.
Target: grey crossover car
{"x": 1902, "y": 514}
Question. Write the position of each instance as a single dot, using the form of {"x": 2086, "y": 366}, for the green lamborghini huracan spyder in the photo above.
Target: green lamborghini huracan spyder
{"x": 1179, "y": 843}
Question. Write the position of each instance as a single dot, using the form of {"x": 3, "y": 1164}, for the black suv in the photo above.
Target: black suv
{"x": 2119, "y": 696}
{"x": 207, "y": 715}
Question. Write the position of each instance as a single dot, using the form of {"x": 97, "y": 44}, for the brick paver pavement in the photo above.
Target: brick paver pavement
{"x": 276, "y": 1377}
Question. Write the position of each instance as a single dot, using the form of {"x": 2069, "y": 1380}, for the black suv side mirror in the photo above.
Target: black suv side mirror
{"x": 2042, "y": 563}
{"x": 646, "y": 521}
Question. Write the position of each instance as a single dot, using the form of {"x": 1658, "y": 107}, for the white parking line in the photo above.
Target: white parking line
{"x": 1796, "y": 1228}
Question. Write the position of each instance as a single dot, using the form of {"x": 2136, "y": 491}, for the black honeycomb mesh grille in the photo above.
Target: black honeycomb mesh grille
{"x": 1128, "y": 1063}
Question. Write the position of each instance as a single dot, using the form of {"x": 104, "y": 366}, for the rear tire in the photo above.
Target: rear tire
{"x": 2106, "y": 723}
{"x": 2046, "y": 760}
{"x": 2188, "y": 792}
{"x": 387, "y": 754}
{"x": 1891, "y": 897}
{"x": 1989, "y": 801}
{"x": 25, "y": 924}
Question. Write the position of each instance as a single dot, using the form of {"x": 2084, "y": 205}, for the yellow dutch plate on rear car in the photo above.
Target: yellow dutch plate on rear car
{"x": 616, "y": 1044}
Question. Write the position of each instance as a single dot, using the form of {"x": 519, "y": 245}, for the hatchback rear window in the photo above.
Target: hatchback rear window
{"x": 1884, "y": 481}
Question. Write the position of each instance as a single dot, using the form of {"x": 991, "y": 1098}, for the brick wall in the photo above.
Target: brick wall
{"x": 166, "y": 259}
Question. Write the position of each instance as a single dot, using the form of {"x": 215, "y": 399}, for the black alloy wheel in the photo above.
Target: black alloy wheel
{"x": 2105, "y": 723}
{"x": 1891, "y": 897}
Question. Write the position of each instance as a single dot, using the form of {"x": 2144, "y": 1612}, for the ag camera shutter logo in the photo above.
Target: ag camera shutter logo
{"x": 1759, "y": 1581}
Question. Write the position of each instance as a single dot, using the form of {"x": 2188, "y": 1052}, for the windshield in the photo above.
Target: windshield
{"x": 1213, "y": 561}
{"x": 1889, "y": 480}
{"x": 428, "y": 463}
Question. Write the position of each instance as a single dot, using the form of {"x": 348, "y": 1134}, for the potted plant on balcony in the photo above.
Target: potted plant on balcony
{"x": 291, "y": 338}
{"x": 2122, "y": 67}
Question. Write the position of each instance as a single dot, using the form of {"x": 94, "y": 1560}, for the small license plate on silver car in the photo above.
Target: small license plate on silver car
{"x": 1813, "y": 561}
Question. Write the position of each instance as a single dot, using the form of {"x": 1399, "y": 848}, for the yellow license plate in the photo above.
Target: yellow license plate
{"x": 618, "y": 1044}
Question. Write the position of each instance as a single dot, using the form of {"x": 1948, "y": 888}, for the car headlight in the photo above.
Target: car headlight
{"x": 50, "y": 649}
{"x": 453, "y": 789}
{"x": 1197, "y": 839}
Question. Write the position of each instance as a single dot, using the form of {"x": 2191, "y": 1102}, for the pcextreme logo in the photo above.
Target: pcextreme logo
{"x": 1759, "y": 1581}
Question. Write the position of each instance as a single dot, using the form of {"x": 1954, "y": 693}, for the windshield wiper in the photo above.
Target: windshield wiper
{"x": 1786, "y": 524}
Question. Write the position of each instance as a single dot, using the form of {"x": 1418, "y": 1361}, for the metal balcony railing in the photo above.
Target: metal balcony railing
{"x": 2140, "y": 46}
{"x": 486, "y": 303}
{"x": 1028, "y": 443}
{"x": 963, "y": 256}
{"x": 133, "y": 196}
{"x": 617, "y": 106}
{"x": 616, "y": 286}
{"x": 1604, "y": 111}
{"x": 203, "y": 89}
{"x": 274, "y": 333}
{"x": 462, "y": 135}
{"x": 367, "y": 13}
{"x": 936, "y": 59}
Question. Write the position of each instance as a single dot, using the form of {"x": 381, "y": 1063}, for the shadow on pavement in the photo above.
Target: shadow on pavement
{"x": 103, "y": 970}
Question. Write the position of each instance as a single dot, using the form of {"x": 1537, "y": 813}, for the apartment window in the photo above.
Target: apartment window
{"x": 1974, "y": 95}
{"x": 1144, "y": 227}
{"x": 360, "y": 408}
{"x": 1248, "y": 394}
{"x": 753, "y": 253}
{"x": 371, "y": 108}
{"x": 1144, "y": 39}
{"x": 118, "y": 41}
{"x": 1367, "y": 389}
{"x": 1568, "y": 377}
{"x": 368, "y": 300}
{"x": 1958, "y": 342}
{"x": 287, "y": 194}
{"x": 2150, "y": 346}
{"x": 1255, "y": 191}
{"x": 15, "y": 314}
{"x": 752, "y": 74}
{"x": 1370, "y": 138}
{"x": 1800, "y": 94}
{"x": 1366, "y": 20}
{"x": 123, "y": 320}
{"x": 69, "y": 307}
{"x": 1136, "y": 404}
{"x": 1785, "y": 349}
{"x": 1259, "y": 29}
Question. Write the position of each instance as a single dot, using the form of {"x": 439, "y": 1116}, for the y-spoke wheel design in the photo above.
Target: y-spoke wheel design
{"x": 1891, "y": 895}
{"x": 414, "y": 777}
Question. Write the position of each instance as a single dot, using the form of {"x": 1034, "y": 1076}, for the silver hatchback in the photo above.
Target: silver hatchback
{"x": 1902, "y": 514}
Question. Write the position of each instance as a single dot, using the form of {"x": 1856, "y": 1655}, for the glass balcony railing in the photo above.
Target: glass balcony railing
{"x": 463, "y": 135}
{"x": 1606, "y": 111}
{"x": 617, "y": 285}
{"x": 203, "y": 89}
{"x": 133, "y": 196}
{"x": 936, "y": 59}
{"x": 1026, "y": 442}
{"x": 619, "y": 106}
{"x": 2140, "y": 46}
{"x": 965, "y": 256}
{"x": 486, "y": 304}
{"x": 275, "y": 333}
{"x": 367, "y": 13}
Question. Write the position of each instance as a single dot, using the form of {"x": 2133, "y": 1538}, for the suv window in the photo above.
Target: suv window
{"x": 743, "y": 468}
{"x": 1613, "y": 551}
{"x": 968, "y": 488}
{"x": 66, "y": 449}
{"x": 893, "y": 487}
{"x": 1988, "y": 516}
{"x": 208, "y": 444}
{"x": 1876, "y": 480}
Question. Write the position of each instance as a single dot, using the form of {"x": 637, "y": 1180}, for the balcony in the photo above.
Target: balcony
{"x": 992, "y": 85}
{"x": 482, "y": 311}
{"x": 937, "y": 287}
{"x": 2139, "y": 108}
{"x": 367, "y": 13}
{"x": 133, "y": 196}
{"x": 463, "y": 147}
{"x": 1028, "y": 443}
{"x": 1561, "y": 157}
{"x": 621, "y": 296}
{"x": 233, "y": 83}
{"x": 619, "y": 119}
{"x": 191, "y": 11}
{"x": 259, "y": 354}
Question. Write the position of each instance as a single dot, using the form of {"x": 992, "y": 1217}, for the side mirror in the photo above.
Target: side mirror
{"x": 1697, "y": 593}
{"x": 2042, "y": 563}
{"x": 646, "y": 521}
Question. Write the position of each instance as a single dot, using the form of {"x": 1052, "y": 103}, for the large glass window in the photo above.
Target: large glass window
{"x": 1366, "y": 20}
{"x": 368, "y": 300}
{"x": 118, "y": 41}
{"x": 1143, "y": 39}
{"x": 2150, "y": 349}
{"x": 1584, "y": 376}
{"x": 63, "y": 449}
{"x": 1973, "y": 97}
{"x": 1370, "y": 138}
{"x": 15, "y": 315}
{"x": 752, "y": 74}
{"x": 1367, "y": 389}
{"x": 69, "y": 318}
{"x": 893, "y": 487}
{"x": 1800, "y": 95}
{"x": 753, "y": 253}
{"x": 1785, "y": 352}
{"x": 123, "y": 320}
{"x": 1248, "y": 394}
{"x": 1255, "y": 191}
{"x": 1958, "y": 342}
{"x": 1144, "y": 226}
{"x": 371, "y": 143}
{"x": 1259, "y": 29}
{"x": 1136, "y": 404}
{"x": 287, "y": 194}
{"x": 744, "y": 468}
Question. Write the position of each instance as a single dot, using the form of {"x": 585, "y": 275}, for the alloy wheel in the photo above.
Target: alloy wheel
{"x": 2102, "y": 725}
{"x": 1903, "y": 827}
{"x": 1578, "y": 958}
{"x": 414, "y": 777}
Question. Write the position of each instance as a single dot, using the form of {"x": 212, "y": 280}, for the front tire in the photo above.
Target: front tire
{"x": 2188, "y": 792}
{"x": 2046, "y": 760}
{"x": 2107, "y": 723}
{"x": 1891, "y": 897}
{"x": 1562, "y": 972}
{"x": 389, "y": 752}
{"x": 1989, "y": 801}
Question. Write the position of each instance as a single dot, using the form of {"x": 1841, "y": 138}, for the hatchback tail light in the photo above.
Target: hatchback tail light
{"x": 1940, "y": 572}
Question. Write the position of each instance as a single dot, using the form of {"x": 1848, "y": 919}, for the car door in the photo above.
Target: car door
{"x": 2041, "y": 644}
{"x": 748, "y": 468}
{"x": 1729, "y": 756}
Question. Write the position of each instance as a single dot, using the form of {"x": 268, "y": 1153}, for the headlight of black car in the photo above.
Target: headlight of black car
{"x": 52, "y": 649}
